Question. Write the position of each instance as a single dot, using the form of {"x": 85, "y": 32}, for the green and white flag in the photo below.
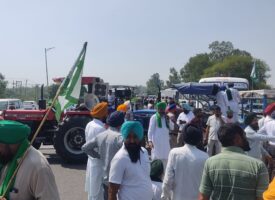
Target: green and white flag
{"x": 253, "y": 74}
{"x": 71, "y": 85}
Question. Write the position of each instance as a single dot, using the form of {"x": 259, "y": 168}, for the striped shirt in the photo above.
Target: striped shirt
{"x": 233, "y": 175}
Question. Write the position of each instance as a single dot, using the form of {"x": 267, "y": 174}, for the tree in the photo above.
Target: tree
{"x": 193, "y": 70}
{"x": 174, "y": 77}
{"x": 3, "y": 86}
{"x": 153, "y": 84}
{"x": 220, "y": 50}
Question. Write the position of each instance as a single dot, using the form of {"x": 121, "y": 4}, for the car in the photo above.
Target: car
{"x": 10, "y": 104}
{"x": 30, "y": 105}
{"x": 143, "y": 116}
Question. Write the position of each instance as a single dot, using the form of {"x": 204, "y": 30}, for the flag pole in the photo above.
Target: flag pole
{"x": 35, "y": 135}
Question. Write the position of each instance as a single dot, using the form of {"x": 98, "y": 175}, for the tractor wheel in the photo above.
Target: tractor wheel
{"x": 69, "y": 139}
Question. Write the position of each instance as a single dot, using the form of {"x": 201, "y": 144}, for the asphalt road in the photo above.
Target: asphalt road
{"x": 70, "y": 179}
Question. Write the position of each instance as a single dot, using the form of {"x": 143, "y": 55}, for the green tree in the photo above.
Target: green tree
{"x": 3, "y": 86}
{"x": 193, "y": 70}
{"x": 174, "y": 77}
{"x": 220, "y": 50}
{"x": 153, "y": 84}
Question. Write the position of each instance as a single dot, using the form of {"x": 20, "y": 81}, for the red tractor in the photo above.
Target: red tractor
{"x": 68, "y": 135}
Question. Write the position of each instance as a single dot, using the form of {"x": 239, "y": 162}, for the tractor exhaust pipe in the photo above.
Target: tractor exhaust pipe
{"x": 42, "y": 102}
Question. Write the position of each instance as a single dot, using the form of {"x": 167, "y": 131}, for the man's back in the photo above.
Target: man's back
{"x": 35, "y": 179}
{"x": 233, "y": 175}
{"x": 184, "y": 172}
{"x": 109, "y": 142}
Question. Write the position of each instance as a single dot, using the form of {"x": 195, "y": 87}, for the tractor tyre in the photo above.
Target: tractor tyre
{"x": 69, "y": 138}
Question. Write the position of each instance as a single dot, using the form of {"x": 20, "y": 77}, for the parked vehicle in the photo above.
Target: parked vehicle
{"x": 10, "y": 104}
{"x": 69, "y": 135}
{"x": 30, "y": 105}
{"x": 239, "y": 83}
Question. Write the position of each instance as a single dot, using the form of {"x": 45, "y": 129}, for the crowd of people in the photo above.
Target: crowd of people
{"x": 184, "y": 158}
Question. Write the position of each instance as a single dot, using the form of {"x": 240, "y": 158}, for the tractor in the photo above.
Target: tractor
{"x": 68, "y": 135}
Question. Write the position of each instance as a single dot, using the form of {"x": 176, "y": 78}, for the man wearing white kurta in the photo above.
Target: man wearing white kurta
{"x": 184, "y": 169}
{"x": 94, "y": 173}
{"x": 222, "y": 101}
{"x": 158, "y": 135}
{"x": 185, "y": 117}
{"x": 233, "y": 102}
{"x": 255, "y": 138}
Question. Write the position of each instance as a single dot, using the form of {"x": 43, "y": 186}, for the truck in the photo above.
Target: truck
{"x": 68, "y": 135}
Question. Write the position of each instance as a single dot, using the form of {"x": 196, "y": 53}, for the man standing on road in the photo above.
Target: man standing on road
{"x": 158, "y": 134}
{"x": 94, "y": 171}
{"x": 129, "y": 176}
{"x": 234, "y": 99}
{"x": 255, "y": 139}
{"x": 184, "y": 169}
{"x": 185, "y": 117}
{"x": 232, "y": 174}
{"x": 34, "y": 179}
{"x": 213, "y": 123}
{"x": 106, "y": 145}
{"x": 173, "y": 127}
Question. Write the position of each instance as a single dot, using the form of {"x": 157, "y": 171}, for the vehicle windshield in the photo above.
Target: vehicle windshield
{"x": 3, "y": 105}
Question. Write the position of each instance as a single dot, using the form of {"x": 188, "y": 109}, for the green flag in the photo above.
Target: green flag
{"x": 253, "y": 74}
{"x": 71, "y": 85}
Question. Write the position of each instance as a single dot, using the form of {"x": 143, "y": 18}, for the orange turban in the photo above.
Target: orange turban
{"x": 100, "y": 110}
{"x": 269, "y": 194}
{"x": 122, "y": 108}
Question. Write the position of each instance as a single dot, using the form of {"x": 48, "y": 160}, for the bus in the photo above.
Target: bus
{"x": 239, "y": 83}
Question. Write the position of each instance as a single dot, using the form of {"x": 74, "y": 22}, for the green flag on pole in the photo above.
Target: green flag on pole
{"x": 253, "y": 74}
{"x": 71, "y": 85}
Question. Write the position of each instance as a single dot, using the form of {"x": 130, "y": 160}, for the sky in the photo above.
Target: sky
{"x": 128, "y": 40}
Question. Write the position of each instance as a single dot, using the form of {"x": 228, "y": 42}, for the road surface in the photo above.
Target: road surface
{"x": 70, "y": 179}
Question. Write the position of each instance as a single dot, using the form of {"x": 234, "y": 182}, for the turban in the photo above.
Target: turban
{"x": 128, "y": 104}
{"x": 116, "y": 119}
{"x": 132, "y": 127}
{"x": 249, "y": 118}
{"x": 185, "y": 106}
{"x": 122, "y": 108}
{"x": 269, "y": 109}
{"x": 156, "y": 169}
{"x": 172, "y": 107}
{"x": 100, "y": 110}
{"x": 12, "y": 132}
{"x": 161, "y": 105}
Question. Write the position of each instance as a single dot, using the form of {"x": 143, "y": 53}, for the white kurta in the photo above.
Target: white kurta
{"x": 222, "y": 101}
{"x": 160, "y": 138}
{"x": 184, "y": 117}
{"x": 269, "y": 127}
{"x": 255, "y": 142}
{"x": 94, "y": 172}
{"x": 234, "y": 103}
{"x": 183, "y": 173}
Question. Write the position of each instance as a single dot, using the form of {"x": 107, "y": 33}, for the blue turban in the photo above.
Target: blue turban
{"x": 186, "y": 106}
{"x": 116, "y": 119}
{"x": 132, "y": 127}
{"x": 172, "y": 106}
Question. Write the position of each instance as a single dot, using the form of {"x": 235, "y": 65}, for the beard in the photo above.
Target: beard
{"x": 133, "y": 151}
{"x": 246, "y": 146}
{"x": 255, "y": 126}
{"x": 6, "y": 158}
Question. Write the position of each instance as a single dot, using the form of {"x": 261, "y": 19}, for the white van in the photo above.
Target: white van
{"x": 239, "y": 83}
{"x": 7, "y": 104}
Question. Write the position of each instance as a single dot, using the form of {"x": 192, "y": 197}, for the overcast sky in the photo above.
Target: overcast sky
{"x": 128, "y": 40}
